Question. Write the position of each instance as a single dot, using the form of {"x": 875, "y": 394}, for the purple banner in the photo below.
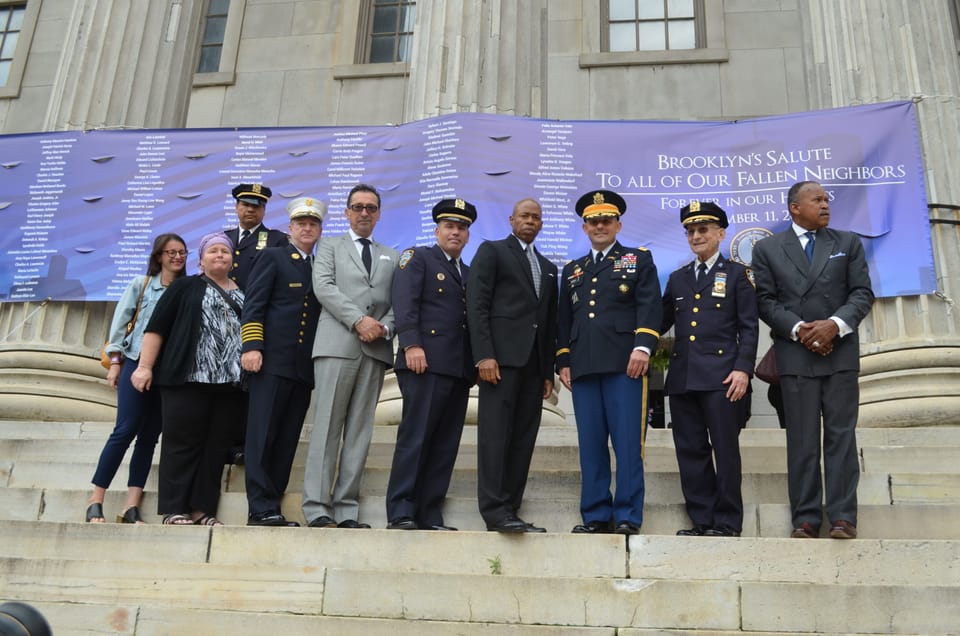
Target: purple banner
{"x": 80, "y": 209}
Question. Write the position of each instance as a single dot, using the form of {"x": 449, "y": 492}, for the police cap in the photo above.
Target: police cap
{"x": 457, "y": 210}
{"x": 598, "y": 204}
{"x": 703, "y": 212}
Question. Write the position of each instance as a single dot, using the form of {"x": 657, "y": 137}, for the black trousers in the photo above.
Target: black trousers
{"x": 508, "y": 419}
{"x": 274, "y": 421}
{"x": 197, "y": 419}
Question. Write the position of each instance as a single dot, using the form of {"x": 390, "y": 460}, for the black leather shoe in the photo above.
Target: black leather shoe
{"x": 402, "y": 523}
{"x": 272, "y": 519}
{"x": 323, "y": 521}
{"x": 533, "y": 528}
{"x": 352, "y": 524}
{"x": 695, "y": 531}
{"x": 721, "y": 531}
{"x": 626, "y": 527}
{"x": 442, "y": 527}
{"x": 236, "y": 456}
{"x": 509, "y": 525}
{"x": 593, "y": 527}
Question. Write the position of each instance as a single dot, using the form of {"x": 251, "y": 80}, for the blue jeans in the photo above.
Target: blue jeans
{"x": 138, "y": 415}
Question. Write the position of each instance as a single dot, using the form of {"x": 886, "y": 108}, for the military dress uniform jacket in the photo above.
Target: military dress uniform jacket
{"x": 280, "y": 313}
{"x": 607, "y": 310}
{"x": 246, "y": 252}
{"x": 430, "y": 311}
{"x": 716, "y": 326}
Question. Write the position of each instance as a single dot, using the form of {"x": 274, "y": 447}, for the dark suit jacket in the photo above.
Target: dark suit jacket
{"x": 245, "y": 253}
{"x": 724, "y": 329}
{"x": 607, "y": 310}
{"x": 430, "y": 311}
{"x": 505, "y": 317}
{"x": 791, "y": 290}
{"x": 280, "y": 313}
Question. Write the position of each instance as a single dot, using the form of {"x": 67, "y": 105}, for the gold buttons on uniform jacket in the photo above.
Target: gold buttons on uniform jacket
{"x": 693, "y": 323}
{"x": 719, "y": 352}
{"x": 696, "y": 296}
{"x": 692, "y": 338}
{"x": 591, "y": 315}
{"x": 696, "y": 309}
{"x": 592, "y": 302}
{"x": 593, "y": 292}
{"x": 593, "y": 280}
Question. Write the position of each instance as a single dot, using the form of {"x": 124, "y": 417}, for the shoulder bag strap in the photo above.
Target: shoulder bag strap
{"x": 230, "y": 301}
{"x": 136, "y": 312}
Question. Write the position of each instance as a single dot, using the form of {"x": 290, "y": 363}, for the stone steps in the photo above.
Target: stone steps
{"x": 901, "y": 577}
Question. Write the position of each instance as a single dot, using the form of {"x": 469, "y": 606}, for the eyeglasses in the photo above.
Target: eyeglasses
{"x": 175, "y": 253}
{"x": 371, "y": 208}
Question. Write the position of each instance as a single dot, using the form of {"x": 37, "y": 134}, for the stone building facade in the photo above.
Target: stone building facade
{"x": 94, "y": 64}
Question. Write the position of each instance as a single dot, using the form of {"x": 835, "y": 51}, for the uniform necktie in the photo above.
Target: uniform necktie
{"x": 808, "y": 248}
{"x": 244, "y": 235}
{"x": 456, "y": 268}
{"x": 534, "y": 268}
{"x": 701, "y": 271}
{"x": 309, "y": 260}
{"x": 365, "y": 255}
{"x": 599, "y": 258}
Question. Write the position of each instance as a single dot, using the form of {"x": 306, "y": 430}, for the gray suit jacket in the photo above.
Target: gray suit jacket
{"x": 791, "y": 290}
{"x": 347, "y": 293}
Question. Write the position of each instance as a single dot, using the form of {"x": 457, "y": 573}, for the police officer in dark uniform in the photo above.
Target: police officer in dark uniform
{"x": 609, "y": 316}
{"x": 712, "y": 305}
{"x": 251, "y": 236}
{"x": 280, "y": 315}
{"x": 434, "y": 369}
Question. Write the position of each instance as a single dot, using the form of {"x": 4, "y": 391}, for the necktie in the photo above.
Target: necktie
{"x": 534, "y": 268}
{"x": 244, "y": 235}
{"x": 367, "y": 258}
{"x": 808, "y": 248}
{"x": 456, "y": 268}
{"x": 701, "y": 271}
{"x": 309, "y": 260}
{"x": 599, "y": 258}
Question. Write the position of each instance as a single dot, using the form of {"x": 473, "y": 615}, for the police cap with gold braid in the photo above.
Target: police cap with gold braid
{"x": 252, "y": 193}
{"x": 455, "y": 210}
{"x": 703, "y": 212}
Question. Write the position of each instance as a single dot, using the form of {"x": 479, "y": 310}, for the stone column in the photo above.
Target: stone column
{"x": 124, "y": 65}
{"x": 856, "y": 53}
{"x": 478, "y": 56}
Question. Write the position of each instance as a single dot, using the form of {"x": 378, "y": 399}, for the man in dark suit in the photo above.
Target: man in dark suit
{"x": 250, "y": 237}
{"x": 434, "y": 369}
{"x": 813, "y": 289}
{"x": 609, "y": 319}
{"x": 512, "y": 315}
{"x": 712, "y": 304}
{"x": 280, "y": 315}
{"x": 352, "y": 279}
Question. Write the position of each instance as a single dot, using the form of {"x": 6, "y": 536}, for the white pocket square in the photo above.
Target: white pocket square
{"x": 384, "y": 257}
{"x": 838, "y": 254}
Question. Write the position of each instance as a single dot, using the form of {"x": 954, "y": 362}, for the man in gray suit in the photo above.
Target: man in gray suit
{"x": 813, "y": 289}
{"x": 352, "y": 278}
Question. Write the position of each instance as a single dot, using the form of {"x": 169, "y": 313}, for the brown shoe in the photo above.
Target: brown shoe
{"x": 805, "y": 531}
{"x": 843, "y": 530}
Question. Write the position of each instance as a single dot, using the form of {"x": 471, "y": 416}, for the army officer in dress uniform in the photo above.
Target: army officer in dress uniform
{"x": 280, "y": 315}
{"x": 434, "y": 369}
{"x": 609, "y": 318}
{"x": 251, "y": 236}
{"x": 712, "y": 305}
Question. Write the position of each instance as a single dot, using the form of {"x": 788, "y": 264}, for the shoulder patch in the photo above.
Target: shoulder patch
{"x": 295, "y": 255}
{"x": 405, "y": 257}
{"x": 750, "y": 278}
{"x": 643, "y": 249}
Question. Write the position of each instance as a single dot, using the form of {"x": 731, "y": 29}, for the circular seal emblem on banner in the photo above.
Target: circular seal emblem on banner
{"x": 741, "y": 247}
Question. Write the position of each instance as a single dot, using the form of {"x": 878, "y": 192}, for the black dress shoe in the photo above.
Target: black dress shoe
{"x": 402, "y": 523}
{"x": 721, "y": 531}
{"x": 626, "y": 527}
{"x": 440, "y": 526}
{"x": 533, "y": 528}
{"x": 509, "y": 525}
{"x": 695, "y": 531}
{"x": 352, "y": 524}
{"x": 593, "y": 527}
{"x": 271, "y": 519}
{"x": 323, "y": 521}
{"x": 236, "y": 456}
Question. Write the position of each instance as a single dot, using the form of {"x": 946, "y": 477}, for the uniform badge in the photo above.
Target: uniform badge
{"x": 405, "y": 257}
{"x": 720, "y": 285}
{"x": 440, "y": 276}
{"x": 262, "y": 239}
{"x": 295, "y": 255}
{"x": 750, "y": 278}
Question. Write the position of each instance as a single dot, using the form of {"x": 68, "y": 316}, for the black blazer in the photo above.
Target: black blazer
{"x": 506, "y": 319}
{"x": 791, "y": 290}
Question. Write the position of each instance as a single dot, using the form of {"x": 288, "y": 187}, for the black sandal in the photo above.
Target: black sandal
{"x": 95, "y": 511}
{"x": 130, "y": 515}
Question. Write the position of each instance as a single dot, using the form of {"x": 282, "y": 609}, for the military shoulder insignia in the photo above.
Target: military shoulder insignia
{"x": 405, "y": 257}
{"x": 643, "y": 249}
{"x": 295, "y": 255}
{"x": 750, "y": 277}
